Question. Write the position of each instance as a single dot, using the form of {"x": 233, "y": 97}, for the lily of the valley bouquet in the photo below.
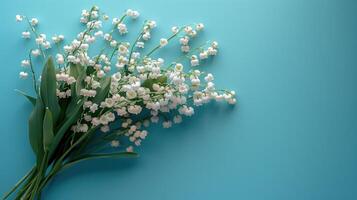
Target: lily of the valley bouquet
{"x": 98, "y": 106}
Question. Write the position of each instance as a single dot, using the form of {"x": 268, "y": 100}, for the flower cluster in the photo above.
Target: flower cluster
{"x": 119, "y": 90}
{"x": 141, "y": 89}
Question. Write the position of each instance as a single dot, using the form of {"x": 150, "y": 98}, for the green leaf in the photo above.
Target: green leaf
{"x": 79, "y": 73}
{"x": 103, "y": 91}
{"x": 30, "y": 98}
{"x": 101, "y": 155}
{"x": 75, "y": 98}
{"x": 161, "y": 79}
{"x": 48, "y": 89}
{"x": 63, "y": 104}
{"x": 48, "y": 134}
{"x": 70, "y": 119}
{"x": 76, "y": 70}
{"x": 72, "y": 105}
{"x": 35, "y": 128}
{"x": 149, "y": 82}
{"x": 113, "y": 135}
{"x": 80, "y": 83}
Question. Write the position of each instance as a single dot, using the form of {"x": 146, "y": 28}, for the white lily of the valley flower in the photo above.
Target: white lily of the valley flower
{"x": 163, "y": 42}
{"x": 23, "y": 75}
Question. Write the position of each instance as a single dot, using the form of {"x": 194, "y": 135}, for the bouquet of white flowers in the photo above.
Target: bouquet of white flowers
{"x": 84, "y": 109}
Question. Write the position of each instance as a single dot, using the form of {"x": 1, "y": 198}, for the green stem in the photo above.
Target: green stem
{"x": 36, "y": 34}
{"x": 49, "y": 178}
{"x": 29, "y": 173}
{"x": 26, "y": 189}
{"x": 153, "y": 50}
{"x": 33, "y": 74}
{"x": 41, "y": 173}
{"x": 58, "y": 163}
{"x": 158, "y": 46}
{"x": 134, "y": 44}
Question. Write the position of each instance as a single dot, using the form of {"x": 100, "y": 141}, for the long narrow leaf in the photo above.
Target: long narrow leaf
{"x": 80, "y": 83}
{"x": 30, "y": 98}
{"x": 48, "y": 89}
{"x": 69, "y": 120}
{"x": 148, "y": 83}
{"x": 79, "y": 73}
{"x": 71, "y": 106}
{"x": 35, "y": 128}
{"x": 102, "y": 92}
{"x": 102, "y": 155}
{"x": 47, "y": 130}
{"x": 76, "y": 70}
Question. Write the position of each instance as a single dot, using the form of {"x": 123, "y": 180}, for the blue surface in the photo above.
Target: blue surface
{"x": 292, "y": 136}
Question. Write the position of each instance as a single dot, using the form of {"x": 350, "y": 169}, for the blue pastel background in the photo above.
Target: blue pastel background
{"x": 293, "y": 134}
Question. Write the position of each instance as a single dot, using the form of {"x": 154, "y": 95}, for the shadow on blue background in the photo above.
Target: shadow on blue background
{"x": 292, "y": 135}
